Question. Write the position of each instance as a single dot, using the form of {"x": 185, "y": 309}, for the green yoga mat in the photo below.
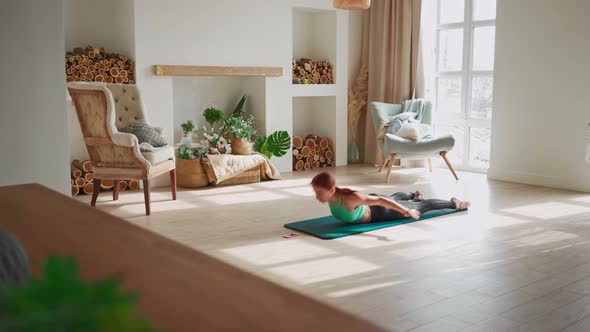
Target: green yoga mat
{"x": 330, "y": 228}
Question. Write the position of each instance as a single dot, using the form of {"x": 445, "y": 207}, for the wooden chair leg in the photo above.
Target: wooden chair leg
{"x": 146, "y": 195}
{"x": 429, "y": 164}
{"x": 95, "y": 191}
{"x": 115, "y": 190}
{"x": 385, "y": 160}
{"x": 443, "y": 154}
{"x": 173, "y": 183}
{"x": 391, "y": 162}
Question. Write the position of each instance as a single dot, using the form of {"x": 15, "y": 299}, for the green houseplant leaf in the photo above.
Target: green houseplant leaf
{"x": 239, "y": 127}
{"x": 258, "y": 143}
{"x": 239, "y": 110}
{"x": 59, "y": 300}
{"x": 212, "y": 115}
{"x": 278, "y": 143}
{"x": 187, "y": 127}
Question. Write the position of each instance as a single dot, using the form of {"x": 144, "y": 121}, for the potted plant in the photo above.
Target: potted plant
{"x": 213, "y": 116}
{"x": 239, "y": 130}
{"x": 187, "y": 133}
{"x": 190, "y": 172}
{"x": 276, "y": 144}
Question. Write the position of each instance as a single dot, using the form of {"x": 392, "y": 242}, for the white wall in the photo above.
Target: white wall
{"x": 192, "y": 95}
{"x": 314, "y": 35}
{"x": 106, "y": 23}
{"x": 220, "y": 33}
{"x": 33, "y": 123}
{"x": 542, "y": 73}
{"x": 227, "y": 33}
{"x": 314, "y": 115}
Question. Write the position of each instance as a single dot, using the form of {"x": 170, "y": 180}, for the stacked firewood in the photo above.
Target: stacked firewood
{"x": 83, "y": 180}
{"x": 93, "y": 64}
{"x": 315, "y": 72}
{"x": 312, "y": 152}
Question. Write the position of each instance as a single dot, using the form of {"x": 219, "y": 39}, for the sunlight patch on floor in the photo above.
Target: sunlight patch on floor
{"x": 156, "y": 206}
{"x": 277, "y": 252}
{"x": 260, "y": 196}
{"x": 583, "y": 199}
{"x": 542, "y": 238}
{"x": 284, "y": 183}
{"x": 566, "y": 246}
{"x": 548, "y": 210}
{"x": 499, "y": 221}
{"x": 324, "y": 269}
{"x": 300, "y": 191}
{"x": 386, "y": 237}
{"x": 420, "y": 251}
{"x": 207, "y": 191}
{"x": 363, "y": 289}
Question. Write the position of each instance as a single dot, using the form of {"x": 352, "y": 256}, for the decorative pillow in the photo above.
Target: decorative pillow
{"x": 426, "y": 130}
{"x": 144, "y": 133}
{"x": 411, "y": 131}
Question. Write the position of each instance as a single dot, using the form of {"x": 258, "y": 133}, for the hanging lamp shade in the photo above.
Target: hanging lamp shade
{"x": 351, "y": 4}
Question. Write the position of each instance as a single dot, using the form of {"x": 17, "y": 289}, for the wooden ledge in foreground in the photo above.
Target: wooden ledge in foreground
{"x": 180, "y": 289}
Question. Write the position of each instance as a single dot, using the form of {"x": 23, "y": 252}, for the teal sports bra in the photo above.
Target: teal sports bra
{"x": 343, "y": 214}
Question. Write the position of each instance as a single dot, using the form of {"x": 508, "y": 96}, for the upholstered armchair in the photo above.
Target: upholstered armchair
{"x": 102, "y": 109}
{"x": 393, "y": 146}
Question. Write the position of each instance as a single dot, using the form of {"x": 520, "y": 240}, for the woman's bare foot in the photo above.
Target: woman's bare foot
{"x": 459, "y": 204}
{"x": 418, "y": 196}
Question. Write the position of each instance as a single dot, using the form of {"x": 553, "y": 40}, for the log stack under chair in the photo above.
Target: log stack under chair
{"x": 316, "y": 72}
{"x": 82, "y": 180}
{"x": 92, "y": 64}
{"x": 312, "y": 152}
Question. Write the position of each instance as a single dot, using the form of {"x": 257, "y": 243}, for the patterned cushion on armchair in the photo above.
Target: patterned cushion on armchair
{"x": 145, "y": 134}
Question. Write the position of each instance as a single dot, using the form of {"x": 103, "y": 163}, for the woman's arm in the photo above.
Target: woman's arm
{"x": 387, "y": 203}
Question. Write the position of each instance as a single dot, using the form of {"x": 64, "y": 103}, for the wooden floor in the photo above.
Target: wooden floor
{"x": 519, "y": 260}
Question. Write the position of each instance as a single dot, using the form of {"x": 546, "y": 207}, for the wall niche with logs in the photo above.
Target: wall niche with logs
{"x": 314, "y": 126}
{"x": 314, "y": 46}
{"x": 93, "y": 64}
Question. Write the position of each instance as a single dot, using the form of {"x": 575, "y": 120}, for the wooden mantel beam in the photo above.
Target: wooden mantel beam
{"x": 174, "y": 70}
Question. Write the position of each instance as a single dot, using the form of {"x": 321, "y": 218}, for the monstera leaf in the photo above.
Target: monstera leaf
{"x": 277, "y": 144}
{"x": 259, "y": 143}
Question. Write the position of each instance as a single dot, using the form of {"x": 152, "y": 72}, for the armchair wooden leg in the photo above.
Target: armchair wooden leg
{"x": 146, "y": 195}
{"x": 391, "y": 162}
{"x": 385, "y": 160}
{"x": 443, "y": 154}
{"x": 95, "y": 191}
{"x": 173, "y": 183}
{"x": 115, "y": 190}
{"x": 430, "y": 164}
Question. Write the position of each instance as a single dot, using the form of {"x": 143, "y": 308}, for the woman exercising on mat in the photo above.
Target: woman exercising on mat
{"x": 350, "y": 206}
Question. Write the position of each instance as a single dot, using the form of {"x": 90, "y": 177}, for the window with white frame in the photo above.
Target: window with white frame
{"x": 458, "y": 49}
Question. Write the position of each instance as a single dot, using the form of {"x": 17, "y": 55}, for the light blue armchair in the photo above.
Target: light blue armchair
{"x": 401, "y": 148}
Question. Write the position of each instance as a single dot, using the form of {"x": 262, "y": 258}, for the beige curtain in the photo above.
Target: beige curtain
{"x": 391, "y": 39}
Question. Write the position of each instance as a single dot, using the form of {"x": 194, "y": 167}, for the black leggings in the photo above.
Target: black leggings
{"x": 381, "y": 213}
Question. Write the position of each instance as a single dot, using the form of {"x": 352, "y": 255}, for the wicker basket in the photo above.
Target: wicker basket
{"x": 191, "y": 173}
{"x": 251, "y": 175}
